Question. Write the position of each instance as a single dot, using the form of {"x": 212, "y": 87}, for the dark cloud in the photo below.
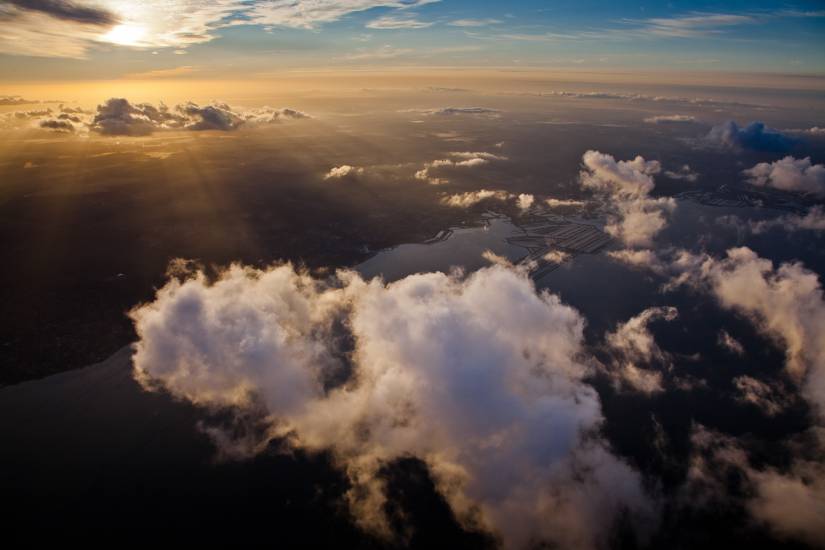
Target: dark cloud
{"x": 755, "y": 136}
{"x": 75, "y": 110}
{"x": 63, "y": 119}
{"x": 120, "y": 117}
{"x": 212, "y": 117}
{"x": 70, "y": 117}
{"x": 58, "y": 125}
{"x": 68, "y": 11}
{"x": 451, "y": 111}
{"x": 290, "y": 113}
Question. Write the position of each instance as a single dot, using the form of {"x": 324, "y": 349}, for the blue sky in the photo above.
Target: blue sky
{"x": 244, "y": 37}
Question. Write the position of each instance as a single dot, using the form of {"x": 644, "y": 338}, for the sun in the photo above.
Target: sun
{"x": 125, "y": 35}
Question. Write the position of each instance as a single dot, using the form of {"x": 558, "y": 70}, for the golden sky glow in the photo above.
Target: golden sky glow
{"x": 112, "y": 38}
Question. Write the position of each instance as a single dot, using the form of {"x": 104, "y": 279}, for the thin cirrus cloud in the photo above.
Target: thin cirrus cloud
{"x": 473, "y": 22}
{"x": 392, "y": 22}
{"x": 146, "y": 24}
{"x": 692, "y": 25}
{"x": 696, "y": 25}
{"x": 37, "y": 33}
{"x": 309, "y": 14}
{"x": 707, "y": 24}
{"x": 79, "y": 28}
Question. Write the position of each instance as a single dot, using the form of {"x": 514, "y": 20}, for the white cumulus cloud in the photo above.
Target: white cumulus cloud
{"x": 338, "y": 172}
{"x": 477, "y": 376}
{"x": 635, "y": 217}
{"x": 789, "y": 174}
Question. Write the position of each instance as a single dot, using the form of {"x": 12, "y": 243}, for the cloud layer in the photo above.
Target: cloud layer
{"x": 309, "y": 14}
{"x": 120, "y": 117}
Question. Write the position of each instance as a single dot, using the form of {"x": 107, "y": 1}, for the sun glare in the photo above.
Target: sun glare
{"x": 125, "y": 35}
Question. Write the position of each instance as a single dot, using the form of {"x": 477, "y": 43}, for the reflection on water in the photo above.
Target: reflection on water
{"x": 464, "y": 248}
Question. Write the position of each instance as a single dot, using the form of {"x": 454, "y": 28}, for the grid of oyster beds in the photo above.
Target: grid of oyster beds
{"x": 542, "y": 235}
{"x": 738, "y": 197}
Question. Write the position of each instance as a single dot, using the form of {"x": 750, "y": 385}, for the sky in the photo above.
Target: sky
{"x": 202, "y": 183}
{"x": 56, "y": 40}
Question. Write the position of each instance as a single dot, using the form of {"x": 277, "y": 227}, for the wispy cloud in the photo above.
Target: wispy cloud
{"x": 392, "y": 22}
{"x": 694, "y": 25}
{"x": 51, "y": 28}
{"x": 309, "y": 14}
{"x": 688, "y": 25}
{"x": 473, "y": 22}
{"x": 145, "y": 24}
{"x": 390, "y": 52}
{"x": 702, "y": 24}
